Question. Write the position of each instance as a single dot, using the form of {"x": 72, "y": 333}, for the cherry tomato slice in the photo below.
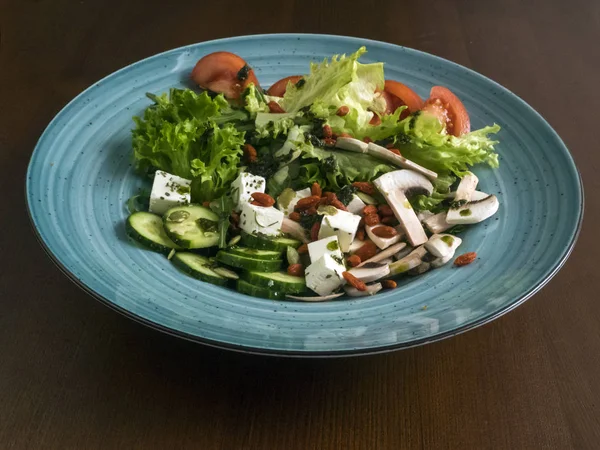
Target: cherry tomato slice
{"x": 402, "y": 95}
{"x": 222, "y": 72}
{"x": 278, "y": 88}
{"x": 449, "y": 110}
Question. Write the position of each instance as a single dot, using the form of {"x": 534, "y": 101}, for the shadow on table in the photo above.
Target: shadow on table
{"x": 160, "y": 374}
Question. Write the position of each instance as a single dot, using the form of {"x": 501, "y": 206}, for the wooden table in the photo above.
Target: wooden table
{"x": 76, "y": 375}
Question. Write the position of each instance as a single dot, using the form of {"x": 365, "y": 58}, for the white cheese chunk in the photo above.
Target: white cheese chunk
{"x": 342, "y": 224}
{"x": 287, "y": 210}
{"x": 356, "y": 205}
{"x": 168, "y": 191}
{"x": 327, "y": 246}
{"x": 258, "y": 219}
{"x": 324, "y": 275}
{"x": 380, "y": 242}
{"x": 244, "y": 186}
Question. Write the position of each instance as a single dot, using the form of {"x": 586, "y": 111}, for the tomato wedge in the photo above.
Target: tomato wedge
{"x": 449, "y": 109}
{"x": 278, "y": 88}
{"x": 225, "y": 73}
{"x": 398, "y": 94}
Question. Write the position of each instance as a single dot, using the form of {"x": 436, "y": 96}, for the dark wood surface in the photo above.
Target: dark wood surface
{"x": 76, "y": 375}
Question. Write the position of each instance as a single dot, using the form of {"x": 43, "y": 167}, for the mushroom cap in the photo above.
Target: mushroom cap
{"x": 407, "y": 181}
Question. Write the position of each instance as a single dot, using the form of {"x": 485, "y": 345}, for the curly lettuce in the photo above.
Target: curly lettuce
{"x": 185, "y": 134}
{"x": 423, "y": 139}
{"x": 341, "y": 81}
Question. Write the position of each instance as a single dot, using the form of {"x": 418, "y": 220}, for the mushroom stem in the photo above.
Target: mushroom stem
{"x": 390, "y": 251}
{"x": 383, "y": 153}
{"x": 322, "y": 298}
{"x": 372, "y": 289}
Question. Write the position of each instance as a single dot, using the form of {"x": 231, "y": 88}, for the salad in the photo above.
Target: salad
{"x": 330, "y": 183}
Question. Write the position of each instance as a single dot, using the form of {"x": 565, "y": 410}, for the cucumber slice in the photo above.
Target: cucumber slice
{"x": 199, "y": 267}
{"x": 246, "y": 263}
{"x": 192, "y": 226}
{"x": 277, "y": 281}
{"x": 269, "y": 243}
{"x": 147, "y": 229}
{"x": 256, "y": 291}
{"x": 254, "y": 253}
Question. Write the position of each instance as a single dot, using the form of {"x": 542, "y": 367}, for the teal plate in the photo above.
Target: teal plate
{"x": 80, "y": 177}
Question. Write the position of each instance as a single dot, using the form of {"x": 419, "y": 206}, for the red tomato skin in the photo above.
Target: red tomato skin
{"x": 219, "y": 72}
{"x": 278, "y": 88}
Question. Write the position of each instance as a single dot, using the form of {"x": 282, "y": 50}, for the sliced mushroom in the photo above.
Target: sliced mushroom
{"x": 465, "y": 189}
{"x": 476, "y": 195}
{"x": 441, "y": 245}
{"x": 381, "y": 242}
{"x": 323, "y": 298}
{"x": 439, "y": 262}
{"x": 372, "y": 289}
{"x": 421, "y": 251}
{"x": 371, "y": 272}
{"x": 437, "y": 223}
{"x": 404, "y": 252}
{"x": 383, "y": 153}
{"x": 390, "y": 251}
{"x": 351, "y": 144}
{"x": 395, "y": 186}
{"x": 473, "y": 212}
{"x": 420, "y": 269}
{"x": 423, "y": 215}
{"x": 412, "y": 260}
{"x": 294, "y": 229}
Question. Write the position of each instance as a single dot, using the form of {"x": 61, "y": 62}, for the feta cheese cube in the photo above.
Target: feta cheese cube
{"x": 168, "y": 191}
{"x": 342, "y": 224}
{"x": 289, "y": 208}
{"x": 324, "y": 275}
{"x": 356, "y": 205}
{"x": 258, "y": 219}
{"x": 380, "y": 242}
{"x": 328, "y": 246}
{"x": 244, "y": 186}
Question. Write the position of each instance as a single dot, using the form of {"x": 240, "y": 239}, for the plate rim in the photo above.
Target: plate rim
{"x": 552, "y": 271}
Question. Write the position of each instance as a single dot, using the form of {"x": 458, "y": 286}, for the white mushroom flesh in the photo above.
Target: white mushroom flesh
{"x": 405, "y": 264}
{"x": 381, "y": 242}
{"x": 440, "y": 245}
{"x": 351, "y": 144}
{"x": 371, "y": 272}
{"x": 393, "y": 186}
{"x": 466, "y": 187}
{"x": 439, "y": 262}
{"x": 401, "y": 161}
{"x": 388, "y": 252}
{"x": 372, "y": 289}
{"x": 473, "y": 212}
{"x": 437, "y": 223}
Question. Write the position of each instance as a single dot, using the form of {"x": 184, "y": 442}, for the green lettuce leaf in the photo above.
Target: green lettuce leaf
{"x": 180, "y": 134}
{"x": 341, "y": 81}
{"x": 217, "y": 165}
{"x": 270, "y": 125}
{"x": 254, "y": 100}
{"x": 423, "y": 139}
{"x": 333, "y": 169}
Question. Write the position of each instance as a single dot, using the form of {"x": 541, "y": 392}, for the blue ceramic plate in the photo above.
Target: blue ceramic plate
{"x": 80, "y": 176}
